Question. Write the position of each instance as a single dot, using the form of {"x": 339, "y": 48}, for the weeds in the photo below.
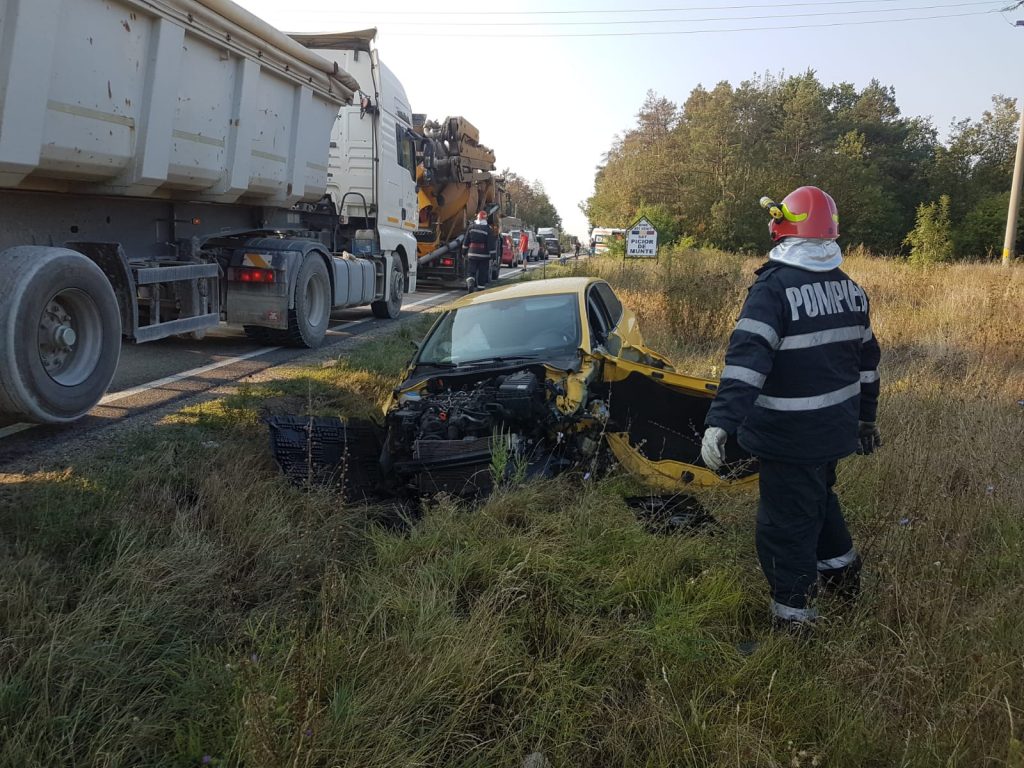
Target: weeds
{"x": 170, "y": 600}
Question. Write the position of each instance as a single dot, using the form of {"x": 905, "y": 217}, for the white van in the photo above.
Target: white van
{"x": 533, "y": 247}
{"x": 602, "y": 237}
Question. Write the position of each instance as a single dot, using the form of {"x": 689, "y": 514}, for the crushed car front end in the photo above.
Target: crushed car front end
{"x": 514, "y": 382}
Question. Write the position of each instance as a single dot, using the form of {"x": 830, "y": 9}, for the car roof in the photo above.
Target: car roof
{"x": 550, "y": 287}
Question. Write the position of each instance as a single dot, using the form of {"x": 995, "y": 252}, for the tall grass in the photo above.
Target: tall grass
{"x": 169, "y": 600}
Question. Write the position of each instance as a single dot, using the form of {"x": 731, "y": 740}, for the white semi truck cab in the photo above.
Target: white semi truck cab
{"x": 168, "y": 165}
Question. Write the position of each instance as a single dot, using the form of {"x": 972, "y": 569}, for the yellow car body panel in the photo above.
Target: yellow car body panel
{"x": 666, "y": 475}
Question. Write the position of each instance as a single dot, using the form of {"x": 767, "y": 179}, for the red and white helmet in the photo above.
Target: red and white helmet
{"x": 481, "y": 217}
{"x": 805, "y": 212}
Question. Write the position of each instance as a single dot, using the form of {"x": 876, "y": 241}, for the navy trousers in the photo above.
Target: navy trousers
{"x": 800, "y": 531}
{"x": 480, "y": 269}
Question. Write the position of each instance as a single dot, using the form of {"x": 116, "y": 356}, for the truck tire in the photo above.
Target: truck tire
{"x": 391, "y": 308}
{"x": 309, "y": 318}
{"x": 60, "y": 334}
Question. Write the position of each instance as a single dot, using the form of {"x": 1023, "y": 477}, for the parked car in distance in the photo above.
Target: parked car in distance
{"x": 553, "y": 247}
{"x": 510, "y": 256}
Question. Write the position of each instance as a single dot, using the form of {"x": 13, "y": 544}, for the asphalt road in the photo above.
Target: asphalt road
{"x": 168, "y": 374}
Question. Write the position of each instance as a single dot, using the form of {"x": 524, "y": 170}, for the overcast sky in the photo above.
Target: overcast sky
{"x": 549, "y": 96}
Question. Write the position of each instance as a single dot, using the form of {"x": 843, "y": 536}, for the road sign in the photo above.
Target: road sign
{"x": 642, "y": 241}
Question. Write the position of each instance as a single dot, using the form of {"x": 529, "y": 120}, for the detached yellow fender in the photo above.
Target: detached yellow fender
{"x": 668, "y": 476}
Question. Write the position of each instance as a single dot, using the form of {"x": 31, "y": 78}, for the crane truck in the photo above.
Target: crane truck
{"x": 455, "y": 180}
{"x": 168, "y": 165}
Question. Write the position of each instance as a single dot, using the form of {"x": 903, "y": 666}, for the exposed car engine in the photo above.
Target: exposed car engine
{"x": 456, "y": 432}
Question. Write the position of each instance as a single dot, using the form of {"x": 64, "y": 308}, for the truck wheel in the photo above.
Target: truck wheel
{"x": 391, "y": 308}
{"x": 308, "y": 320}
{"x": 60, "y": 334}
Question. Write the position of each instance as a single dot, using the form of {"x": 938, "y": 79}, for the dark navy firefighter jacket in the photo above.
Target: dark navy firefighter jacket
{"x": 477, "y": 237}
{"x": 801, "y": 368}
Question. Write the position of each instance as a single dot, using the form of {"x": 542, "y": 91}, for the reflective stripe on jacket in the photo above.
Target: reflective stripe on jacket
{"x": 476, "y": 239}
{"x": 801, "y": 368}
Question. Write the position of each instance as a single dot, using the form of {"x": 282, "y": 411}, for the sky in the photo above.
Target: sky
{"x": 550, "y": 85}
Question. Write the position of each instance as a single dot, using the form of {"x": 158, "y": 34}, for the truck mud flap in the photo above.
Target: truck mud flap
{"x": 328, "y": 452}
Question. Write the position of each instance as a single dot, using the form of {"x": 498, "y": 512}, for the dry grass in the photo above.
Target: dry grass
{"x": 171, "y": 599}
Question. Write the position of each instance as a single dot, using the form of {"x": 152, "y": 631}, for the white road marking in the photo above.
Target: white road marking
{"x": 113, "y": 397}
{"x": 122, "y": 394}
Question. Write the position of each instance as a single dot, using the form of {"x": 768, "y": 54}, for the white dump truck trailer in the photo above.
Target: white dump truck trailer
{"x": 168, "y": 165}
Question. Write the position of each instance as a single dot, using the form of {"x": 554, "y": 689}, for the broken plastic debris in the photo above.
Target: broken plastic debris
{"x": 904, "y": 521}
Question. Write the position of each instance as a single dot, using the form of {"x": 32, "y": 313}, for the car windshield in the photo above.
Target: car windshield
{"x": 531, "y": 327}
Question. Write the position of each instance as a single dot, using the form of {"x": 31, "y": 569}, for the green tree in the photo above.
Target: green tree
{"x": 980, "y": 233}
{"x": 931, "y": 240}
{"x": 707, "y": 162}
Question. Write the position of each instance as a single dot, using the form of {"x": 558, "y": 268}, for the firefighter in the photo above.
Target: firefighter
{"x": 800, "y": 391}
{"x": 478, "y": 238}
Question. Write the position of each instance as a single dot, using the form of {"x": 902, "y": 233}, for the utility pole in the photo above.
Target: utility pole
{"x": 1010, "y": 239}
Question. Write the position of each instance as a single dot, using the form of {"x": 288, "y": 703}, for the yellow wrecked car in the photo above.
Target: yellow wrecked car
{"x": 539, "y": 377}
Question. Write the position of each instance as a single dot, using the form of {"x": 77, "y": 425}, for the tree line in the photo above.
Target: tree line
{"x": 698, "y": 169}
{"x": 530, "y": 202}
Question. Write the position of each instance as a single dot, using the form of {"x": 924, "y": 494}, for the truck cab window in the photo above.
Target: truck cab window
{"x": 406, "y": 150}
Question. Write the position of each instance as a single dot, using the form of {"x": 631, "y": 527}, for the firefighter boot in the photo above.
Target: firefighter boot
{"x": 842, "y": 584}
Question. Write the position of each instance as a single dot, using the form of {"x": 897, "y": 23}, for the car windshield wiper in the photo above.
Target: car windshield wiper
{"x": 438, "y": 364}
{"x": 498, "y": 359}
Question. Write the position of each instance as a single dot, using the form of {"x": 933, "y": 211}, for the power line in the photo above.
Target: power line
{"x": 682, "y": 21}
{"x": 698, "y": 31}
{"x": 599, "y": 11}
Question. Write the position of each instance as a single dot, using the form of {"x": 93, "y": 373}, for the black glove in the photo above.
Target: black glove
{"x": 869, "y": 437}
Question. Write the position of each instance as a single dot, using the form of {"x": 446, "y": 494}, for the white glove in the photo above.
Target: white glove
{"x": 712, "y": 448}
